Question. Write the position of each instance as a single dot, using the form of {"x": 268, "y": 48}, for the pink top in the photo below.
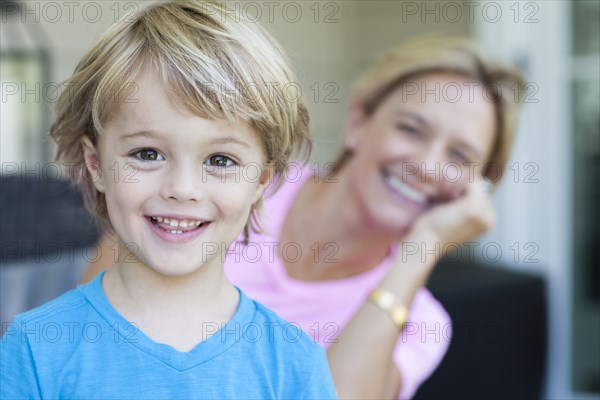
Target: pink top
{"x": 322, "y": 309}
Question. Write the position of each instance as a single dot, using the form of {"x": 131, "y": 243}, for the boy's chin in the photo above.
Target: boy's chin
{"x": 179, "y": 271}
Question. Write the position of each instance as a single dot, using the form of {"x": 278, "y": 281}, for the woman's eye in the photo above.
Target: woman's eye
{"x": 459, "y": 155}
{"x": 220, "y": 161}
{"x": 408, "y": 129}
{"x": 149, "y": 155}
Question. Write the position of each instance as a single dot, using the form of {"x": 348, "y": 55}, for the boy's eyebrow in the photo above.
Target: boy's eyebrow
{"x": 229, "y": 139}
{"x": 219, "y": 140}
{"x": 140, "y": 134}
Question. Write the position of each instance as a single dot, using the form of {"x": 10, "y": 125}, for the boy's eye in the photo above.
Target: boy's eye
{"x": 149, "y": 155}
{"x": 220, "y": 161}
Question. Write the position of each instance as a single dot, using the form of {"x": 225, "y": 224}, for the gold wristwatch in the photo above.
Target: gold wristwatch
{"x": 386, "y": 300}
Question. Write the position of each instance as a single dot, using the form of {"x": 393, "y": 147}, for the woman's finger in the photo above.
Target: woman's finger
{"x": 479, "y": 186}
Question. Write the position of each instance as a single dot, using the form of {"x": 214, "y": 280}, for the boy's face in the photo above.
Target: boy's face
{"x": 179, "y": 188}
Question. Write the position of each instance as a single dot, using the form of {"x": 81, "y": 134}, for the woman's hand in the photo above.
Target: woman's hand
{"x": 458, "y": 220}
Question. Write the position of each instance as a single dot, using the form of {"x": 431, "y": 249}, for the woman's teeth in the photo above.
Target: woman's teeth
{"x": 167, "y": 223}
{"x": 405, "y": 190}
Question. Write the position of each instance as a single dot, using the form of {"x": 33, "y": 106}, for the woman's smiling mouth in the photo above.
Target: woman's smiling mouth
{"x": 404, "y": 192}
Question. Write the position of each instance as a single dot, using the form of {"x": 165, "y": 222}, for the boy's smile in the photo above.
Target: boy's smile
{"x": 175, "y": 181}
{"x": 177, "y": 230}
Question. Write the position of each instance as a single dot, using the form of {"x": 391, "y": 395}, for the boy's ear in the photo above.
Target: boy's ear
{"x": 265, "y": 179}
{"x": 353, "y": 126}
{"x": 92, "y": 162}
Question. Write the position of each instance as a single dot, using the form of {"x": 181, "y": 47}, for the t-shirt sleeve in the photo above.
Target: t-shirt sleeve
{"x": 320, "y": 385}
{"x": 423, "y": 343}
{"x": 18, "y": 377}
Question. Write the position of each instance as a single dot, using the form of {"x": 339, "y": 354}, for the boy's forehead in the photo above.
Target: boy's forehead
{"x": 150, "y": 108}
{"x": 147, "y": 103}
{"x": 157, "y": 120}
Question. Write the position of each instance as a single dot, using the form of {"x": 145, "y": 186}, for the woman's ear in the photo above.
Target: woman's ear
{"x": 353, "y": 126}
{"x": 92, "y": 162}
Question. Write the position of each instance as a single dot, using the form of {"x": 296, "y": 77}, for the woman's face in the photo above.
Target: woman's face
{"x": 420, "y": 147}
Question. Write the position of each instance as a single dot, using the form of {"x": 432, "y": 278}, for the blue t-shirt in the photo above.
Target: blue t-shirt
{"x": 79, "y": 346}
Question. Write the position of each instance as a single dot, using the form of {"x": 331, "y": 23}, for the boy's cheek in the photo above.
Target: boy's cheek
{"x": 236, "y": 198}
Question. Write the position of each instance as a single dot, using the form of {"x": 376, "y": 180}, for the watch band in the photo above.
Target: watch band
{"x": 386, "y": 300}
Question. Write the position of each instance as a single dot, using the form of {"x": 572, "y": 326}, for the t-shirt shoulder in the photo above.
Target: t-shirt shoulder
{"x": 65, "y": 306}
{"x": 40, "y": 341}
{"x": 287, "y": 341}
{"x": 290, "y": 333}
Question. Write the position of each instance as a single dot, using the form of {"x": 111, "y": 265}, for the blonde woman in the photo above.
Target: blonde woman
{"x": 346, "y": 254}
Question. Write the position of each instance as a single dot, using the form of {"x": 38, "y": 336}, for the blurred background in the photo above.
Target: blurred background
{"x": 547, "y": 231}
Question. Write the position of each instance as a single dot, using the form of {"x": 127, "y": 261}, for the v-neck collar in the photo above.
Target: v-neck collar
{"x": 202, "y": 352}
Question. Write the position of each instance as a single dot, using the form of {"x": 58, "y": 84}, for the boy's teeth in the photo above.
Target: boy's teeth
{"x": 174, "y": 223}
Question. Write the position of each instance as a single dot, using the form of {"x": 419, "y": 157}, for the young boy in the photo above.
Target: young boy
{"x": 166, "y": 122}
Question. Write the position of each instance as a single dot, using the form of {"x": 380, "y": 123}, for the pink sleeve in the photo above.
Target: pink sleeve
{"x": 423, "y": 344}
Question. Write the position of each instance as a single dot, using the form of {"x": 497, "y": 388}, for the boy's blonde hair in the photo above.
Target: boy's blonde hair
{"x": 216, "y": 64}
{"x": 435, "y": 53}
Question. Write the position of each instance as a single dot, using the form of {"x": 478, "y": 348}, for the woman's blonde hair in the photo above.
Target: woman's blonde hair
{"x": 215, "y": 63}
{"x": 435, "y": 53}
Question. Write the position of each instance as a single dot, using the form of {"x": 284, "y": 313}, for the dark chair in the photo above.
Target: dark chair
{"x": 46, "y": 239}
{"x": 498, "y": 348}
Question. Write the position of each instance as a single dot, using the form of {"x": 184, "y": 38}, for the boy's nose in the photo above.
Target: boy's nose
{"x": 184, "y": 184}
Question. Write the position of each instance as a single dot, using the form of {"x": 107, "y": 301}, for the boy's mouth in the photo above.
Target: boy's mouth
{"x": 177, "y": 226}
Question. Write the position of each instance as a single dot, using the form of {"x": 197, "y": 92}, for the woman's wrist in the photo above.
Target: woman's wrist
{"x": 405, "y": 278}
{"x": 386, "y": 301}
{"x": 420, "y": 233}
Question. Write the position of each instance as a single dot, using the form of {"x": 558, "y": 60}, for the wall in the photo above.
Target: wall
{"x": 330, "y": 43}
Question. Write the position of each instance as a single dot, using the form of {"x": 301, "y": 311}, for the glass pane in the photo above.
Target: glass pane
{"x": 586, "y": 196}
{"x": 586, "y": 235}
{"x": 586, "y": 28}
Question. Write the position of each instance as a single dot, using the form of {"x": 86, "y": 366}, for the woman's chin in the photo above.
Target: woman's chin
{"x": 398, "y": 222}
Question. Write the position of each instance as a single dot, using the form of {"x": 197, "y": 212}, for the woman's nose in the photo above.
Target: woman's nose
{"x": 430, "y": 164}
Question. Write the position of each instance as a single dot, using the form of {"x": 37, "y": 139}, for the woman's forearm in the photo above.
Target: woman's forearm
{"x": 361, "y": 361}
